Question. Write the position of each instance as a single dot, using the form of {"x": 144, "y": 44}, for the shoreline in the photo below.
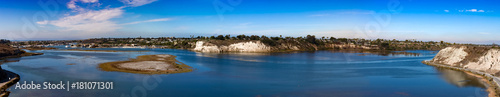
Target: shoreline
{"x": 494, "y": 82}
{"x": 5, "y": 85}
{"x": 21, "y": 55}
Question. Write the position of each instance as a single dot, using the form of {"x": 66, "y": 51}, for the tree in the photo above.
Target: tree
{"x": 343, "y": 40}
{"x": 275, "y": 38}
{"x": 333, "y": 38}
{"x": 241, "y": 37}
{"x": 311, "y": 39}
{"x": 254, "y": 37}
{"x": 384, "y": 45}
{"x": 220, "y": 37}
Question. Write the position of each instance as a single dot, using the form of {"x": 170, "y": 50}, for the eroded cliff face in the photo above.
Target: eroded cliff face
{"x": 450, "y": 56}
{"x": 475, "y": 58}
{"x": 220, "y": 46}
{"x": 249, "y": 46}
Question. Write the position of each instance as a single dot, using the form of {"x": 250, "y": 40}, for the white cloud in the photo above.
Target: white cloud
{"x": 43, "y": 22}
{"x": 343, "y": 12}
{"x": 90, "y": 1}
{"x": 90, "y": 21}
{"x": 471, "y": 10}
{"x": 446, "y": 10}
{"x": 135, "y": 3}
{"x": 146, "y": 21}
{"x": 357, "y": 12}
{"x": 72, "y": 4}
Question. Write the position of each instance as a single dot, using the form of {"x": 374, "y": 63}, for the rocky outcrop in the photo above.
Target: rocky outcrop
{"x": 475, "y": 58}
{"x": 249, "y": 46}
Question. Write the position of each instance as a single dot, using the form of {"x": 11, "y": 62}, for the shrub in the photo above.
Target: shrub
{"x": 311, "y": 39}
{"x": 268, "y": 42}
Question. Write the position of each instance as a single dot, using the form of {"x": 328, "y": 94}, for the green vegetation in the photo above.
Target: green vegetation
{"x": 310, "y": 42}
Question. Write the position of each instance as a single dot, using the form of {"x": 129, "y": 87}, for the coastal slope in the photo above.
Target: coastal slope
{"x": 249, "y": 46}
{"x": 257, "y": 46}
{"x": 482, "y": 59}
{"x": 476, "y": 60}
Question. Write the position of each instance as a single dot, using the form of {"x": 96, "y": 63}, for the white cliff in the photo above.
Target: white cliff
{"x": 486, "y": 61}
{"x": 250, "y": 46}
{"x": 201, "y": 46}
{"x": 450, "y": 55}
{"x": 489, "y": 63}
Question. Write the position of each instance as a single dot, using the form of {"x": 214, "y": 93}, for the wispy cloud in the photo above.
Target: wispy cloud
{"x": 471, "y": 10}
{"x": 357, "y": 12}
{"x": 45, "y": 22}
{"x": 90, "y": 21}
{"x": 446, "y": 10}
{"x": 343, "y": 12}
{"x": 87, "y": 19}
{"x": 146, "y": 21}
{"x": 75, "y": 8}
{"x": 135, "y": 3}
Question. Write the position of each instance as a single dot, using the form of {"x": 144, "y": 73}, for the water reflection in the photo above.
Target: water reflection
{"x": 381, "y": 53}
{"x": 320, "y": 73}
{"x": 460, "y": 78}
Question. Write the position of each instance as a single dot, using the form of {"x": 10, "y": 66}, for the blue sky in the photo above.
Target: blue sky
{"x": 463, "y": 21}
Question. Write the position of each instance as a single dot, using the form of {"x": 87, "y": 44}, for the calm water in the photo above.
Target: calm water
{"x": 321, "y": 73}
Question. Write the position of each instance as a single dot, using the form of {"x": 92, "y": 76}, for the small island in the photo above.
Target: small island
{"x": 148, "y": 64}
{"x": 101, "y": 50}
